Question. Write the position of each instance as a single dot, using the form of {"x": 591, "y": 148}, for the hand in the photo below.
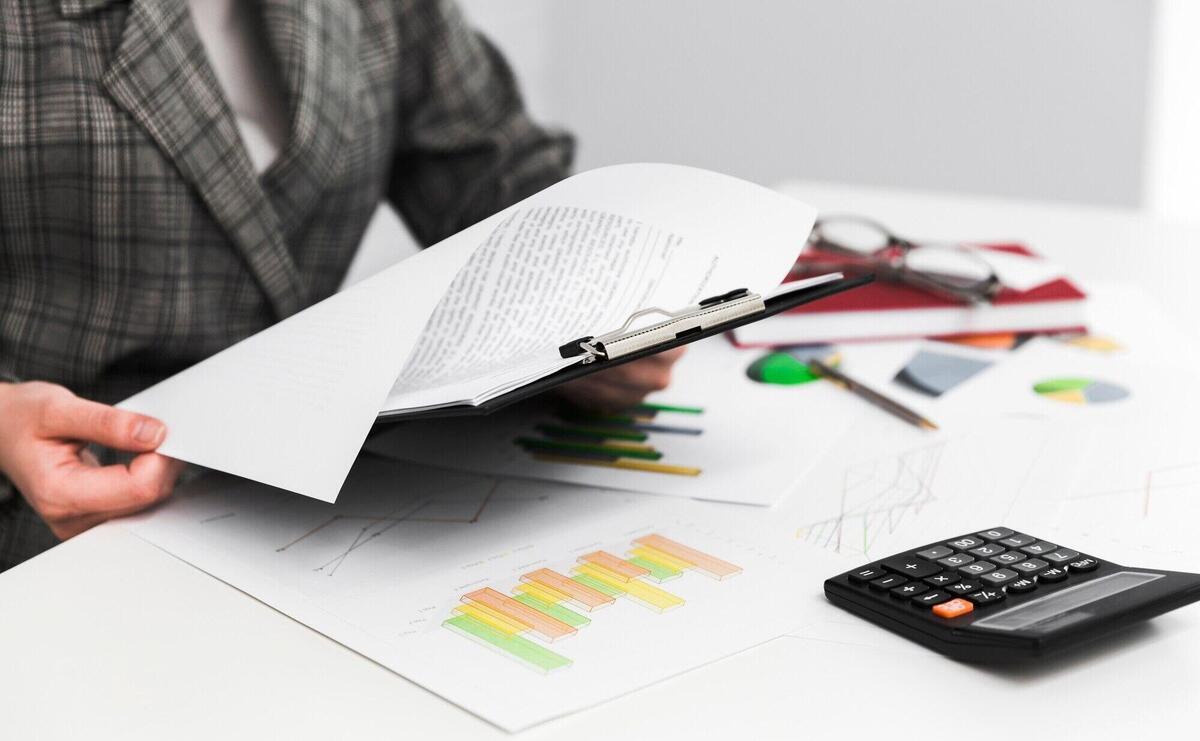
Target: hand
{"x": 624, "y": 386}
{"x": 44, "y": 430}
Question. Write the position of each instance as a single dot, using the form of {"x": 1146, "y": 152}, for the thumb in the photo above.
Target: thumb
{"x": 79, "y": 419}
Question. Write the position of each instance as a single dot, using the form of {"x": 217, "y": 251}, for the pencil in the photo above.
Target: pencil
{"x": 874, "y": 397}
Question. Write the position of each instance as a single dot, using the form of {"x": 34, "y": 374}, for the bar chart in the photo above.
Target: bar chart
{"x": 547, "y": 607}
{"x": 623, "y": 441}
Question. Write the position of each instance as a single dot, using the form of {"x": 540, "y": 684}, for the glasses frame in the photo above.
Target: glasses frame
{"x": 890, "y": 262}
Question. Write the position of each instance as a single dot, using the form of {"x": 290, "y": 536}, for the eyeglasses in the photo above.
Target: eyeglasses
{"x": 857, "y": 244}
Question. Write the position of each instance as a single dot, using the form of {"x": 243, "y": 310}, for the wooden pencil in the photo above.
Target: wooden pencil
{"x": 874, "y": 397}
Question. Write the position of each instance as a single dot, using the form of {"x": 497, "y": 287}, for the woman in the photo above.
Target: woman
{"x": 176, "y": 175}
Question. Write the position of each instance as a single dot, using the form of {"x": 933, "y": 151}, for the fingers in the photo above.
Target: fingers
{"x": 643, "y": 377}
{"x": 623, "y": 386}
{"x": 66, "y": 416}
{"x": 601, "y": 397}
{"x": 667, "y": 357}
{"x": 112, "y": 491}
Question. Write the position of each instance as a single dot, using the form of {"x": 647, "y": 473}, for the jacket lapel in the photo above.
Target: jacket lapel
{"x": 314, "y": 44}
{"x": 161, "y": 77}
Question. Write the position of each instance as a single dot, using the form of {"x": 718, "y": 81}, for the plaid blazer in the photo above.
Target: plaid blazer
{"x": 135, "y": 236}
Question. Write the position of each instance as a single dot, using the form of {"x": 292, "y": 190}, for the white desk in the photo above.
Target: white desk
{"x": 106, "y": 635}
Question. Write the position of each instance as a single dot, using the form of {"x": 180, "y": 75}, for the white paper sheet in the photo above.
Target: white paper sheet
{"x": 1021, "y": 272}
{"x": 1010, "y": 387}
{"x": 381, "y": 571}
{"x": 291, "y": 406}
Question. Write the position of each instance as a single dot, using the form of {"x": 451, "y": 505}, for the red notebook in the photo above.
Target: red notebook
{"x": 889, "y": 311}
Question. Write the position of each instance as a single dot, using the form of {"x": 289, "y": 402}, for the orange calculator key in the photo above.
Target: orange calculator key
{"x": 954, "y": 608}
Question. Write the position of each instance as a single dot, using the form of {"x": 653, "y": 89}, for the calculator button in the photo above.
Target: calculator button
{"x": 1039, "y": 548}
{"x": 958, "y": 559}
{"x": 986, "y": 596}
{"x": 963, "y": 587}
{"x": 1029, "y": 567}
{"x": 1082, "y": 565}
{"x": 1052, "y": 575}
{"x": 977, "y": 569}
{"x": 999, "y": 577}
{"x": 914, "y": 568}
{"x": 987, "y": 550}
{"x": 1022, "y": 585}
{"x": 912, "y": 589}
{"x": 934, "y": 553}
{"x": 866, "y": 574}
{"x": 941, "y": 580}
{"x": 931, "y": 598}
{"x": 1061, "y": 555}
{"x": 964, "y": 543}
{"x": 1016, "y": 540}
{"x": 995, "y": 533}
{"x": 954, "y": 608}
{"x": 887, "y": 582}
{"x": 1008, "y": 557}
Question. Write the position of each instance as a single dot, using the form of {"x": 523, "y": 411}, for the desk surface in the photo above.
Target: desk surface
{"x": 108, "y": 635}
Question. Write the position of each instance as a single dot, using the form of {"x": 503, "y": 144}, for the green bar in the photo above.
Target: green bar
{"x": 516, "y": 646}
{"x": 562, "y": 445}
{"x": 612, "y": 419}
{"x": 569, "y": 434}
{"x": 598, "y": 585}
{"x": 615, "y": 433}
{"x": 570, "y": 617}
{"x": 658, "y": 572}
{"x": 667, "y": 408}
{"x": 1062, "y": 384}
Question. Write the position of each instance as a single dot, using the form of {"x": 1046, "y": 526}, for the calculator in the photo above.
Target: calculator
{"x": 1001, "y": 595}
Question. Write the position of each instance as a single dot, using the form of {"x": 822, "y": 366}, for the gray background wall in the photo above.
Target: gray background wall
{"x": 1021, "y": 98}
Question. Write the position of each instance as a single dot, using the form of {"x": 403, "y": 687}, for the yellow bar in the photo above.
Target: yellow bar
{"x": 626, "y": 463}
{"x": 542, "y": 592}
{"x": 491, "y": 618}
{"x": 625, "y": 445}
{"x": 657, "y": 556}
{"x": 652, "y": 597}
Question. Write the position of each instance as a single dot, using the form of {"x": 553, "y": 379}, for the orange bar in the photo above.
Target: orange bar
{"x": 619, "y": 567}
{"x": 710, "y": 565}
{"x": 585, "y": 597}
{"x": 539, "y": 622}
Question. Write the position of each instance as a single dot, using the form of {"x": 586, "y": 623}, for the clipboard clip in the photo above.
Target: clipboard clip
{"x": 708, "y": 313}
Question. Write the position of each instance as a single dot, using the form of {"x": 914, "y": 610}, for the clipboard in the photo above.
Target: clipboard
{"x": 712, "y": 316}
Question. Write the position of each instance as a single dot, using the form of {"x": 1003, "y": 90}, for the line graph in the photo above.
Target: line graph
{"x": 377, "y": 525}
{"x": 990, "y": 472}
{"x": 876, "y": 498}
{"x": 1176, "y": 479}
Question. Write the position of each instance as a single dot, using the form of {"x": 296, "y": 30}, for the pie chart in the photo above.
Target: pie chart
{"x": 1080, "y": 390}
{"x": 788, "y": 366}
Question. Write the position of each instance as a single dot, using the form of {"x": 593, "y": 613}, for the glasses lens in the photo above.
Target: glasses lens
{"x": 853, "y": 234}
{"x": 949, "y": 266}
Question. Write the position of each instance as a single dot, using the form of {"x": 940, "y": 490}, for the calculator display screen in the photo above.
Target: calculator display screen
{"x": 1063, "y": 608}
